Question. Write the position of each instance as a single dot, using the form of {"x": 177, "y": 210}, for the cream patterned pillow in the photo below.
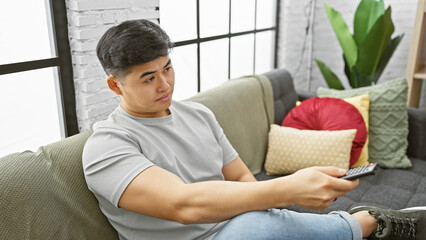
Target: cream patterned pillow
{"x": 291, "y": 149}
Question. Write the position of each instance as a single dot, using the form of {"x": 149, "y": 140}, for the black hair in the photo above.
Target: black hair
{"x": 131, "y": 43}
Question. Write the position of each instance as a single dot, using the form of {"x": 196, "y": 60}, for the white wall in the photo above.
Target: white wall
{"x": 88, "y": 20}
{"x": 325, "y": 45}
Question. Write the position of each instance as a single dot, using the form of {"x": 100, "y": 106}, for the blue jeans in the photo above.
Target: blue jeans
{"x": 285, "y": 224}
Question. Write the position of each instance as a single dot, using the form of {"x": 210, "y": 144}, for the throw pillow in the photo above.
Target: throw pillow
{"x": 291, "y": 149}
{"x": 329, "y": 114}
{"x": 362, "y": 103}
{"x": 388, "y": 121}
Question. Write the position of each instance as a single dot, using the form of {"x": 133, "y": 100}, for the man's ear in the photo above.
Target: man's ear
{"x": 113, "y": 84}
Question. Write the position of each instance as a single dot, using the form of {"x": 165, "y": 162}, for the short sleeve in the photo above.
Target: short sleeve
{"x": 111, "y": 160}
{"x": 229, "y": 152}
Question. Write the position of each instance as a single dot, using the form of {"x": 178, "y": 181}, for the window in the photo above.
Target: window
{"x": 37, "y": 101}
{"x": 219, "y": 39}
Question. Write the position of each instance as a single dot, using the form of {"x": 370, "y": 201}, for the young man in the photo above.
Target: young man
{"x": 162, "y": 169}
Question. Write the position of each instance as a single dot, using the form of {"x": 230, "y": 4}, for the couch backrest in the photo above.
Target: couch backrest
{"x": 285, "y": 95}
{"x": 43, "y": 195}
{"x": 244, "y": 109}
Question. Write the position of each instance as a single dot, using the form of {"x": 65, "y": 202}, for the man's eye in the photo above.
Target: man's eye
{"x": 149, "y": 80}
{"x": 167, "y": 69}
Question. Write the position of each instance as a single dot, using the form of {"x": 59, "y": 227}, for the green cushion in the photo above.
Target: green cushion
{"x": 388, "y": 121}
{"x": 244, "y": 109}
{"x": 43, "y": 195}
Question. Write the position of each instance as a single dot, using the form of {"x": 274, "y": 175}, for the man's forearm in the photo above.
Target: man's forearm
{"x": 161, "y": 194}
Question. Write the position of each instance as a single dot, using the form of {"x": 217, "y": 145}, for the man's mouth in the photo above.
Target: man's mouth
{"x": 164, "y": 98}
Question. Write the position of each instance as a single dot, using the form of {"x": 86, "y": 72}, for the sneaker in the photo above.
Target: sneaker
{"x": 409, "y": 223}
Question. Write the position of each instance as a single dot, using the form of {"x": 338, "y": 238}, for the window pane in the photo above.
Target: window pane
{"x": 25, "y": 31}
{"x": 242, "y": 54}
{"x": 266, "y": 11}
{"x": 179, "y": 19}
{"x": 184, "y": 61}
{"x": 29, "y": 108}
{"x": 214, "y": 18}
{"x": 214, "y": 63}
{"x": 265, "y": 42}
{"x": 242, "y": 18}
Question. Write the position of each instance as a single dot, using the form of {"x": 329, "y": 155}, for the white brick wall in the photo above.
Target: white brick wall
{"x": 325, "y": 44}
{"x": 88, "y": 20}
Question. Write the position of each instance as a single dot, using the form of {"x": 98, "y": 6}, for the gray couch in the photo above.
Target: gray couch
{"x": 388, "y": 188}
{"x": 43, "y": 195}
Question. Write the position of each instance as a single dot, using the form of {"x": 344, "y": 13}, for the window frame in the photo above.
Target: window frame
{"x": 198, "y": 40}
{"x": 63, "y": 62}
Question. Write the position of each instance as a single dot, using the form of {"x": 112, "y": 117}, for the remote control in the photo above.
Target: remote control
{"x": 357, "y": 172}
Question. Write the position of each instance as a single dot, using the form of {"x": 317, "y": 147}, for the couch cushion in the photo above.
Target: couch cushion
{"x": 245, "y": 125}
{"x": 43, "y": 195}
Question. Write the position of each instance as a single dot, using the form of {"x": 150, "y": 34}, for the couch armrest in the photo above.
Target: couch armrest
{"x": 417, "y": 133}
{"x": 44, "y": 195}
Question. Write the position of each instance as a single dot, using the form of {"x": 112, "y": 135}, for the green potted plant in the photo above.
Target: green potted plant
{"x": 367, "y": 51}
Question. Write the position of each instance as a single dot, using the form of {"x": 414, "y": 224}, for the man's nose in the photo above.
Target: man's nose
{"x": 163, "y": 84}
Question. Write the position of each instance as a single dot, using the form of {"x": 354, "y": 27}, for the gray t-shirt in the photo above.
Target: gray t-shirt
{"x": 189, "y": 143}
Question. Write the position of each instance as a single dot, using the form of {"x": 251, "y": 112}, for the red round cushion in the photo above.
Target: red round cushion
{"x": 329, "y": 114}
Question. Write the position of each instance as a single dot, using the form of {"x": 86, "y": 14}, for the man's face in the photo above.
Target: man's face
{"x": 148, "y": 89}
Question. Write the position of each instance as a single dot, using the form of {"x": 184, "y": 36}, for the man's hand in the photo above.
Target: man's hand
{"x": 316, "y": 187}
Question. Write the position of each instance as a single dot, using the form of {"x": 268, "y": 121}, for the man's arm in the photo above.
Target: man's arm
{"x": 161, "y": 194}
{"x": 237, "y": 171}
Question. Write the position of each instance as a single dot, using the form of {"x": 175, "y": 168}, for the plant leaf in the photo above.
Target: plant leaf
{"x": 372, "y": 49}
{"x": 366, "y": 15}
{"x": 350, "y": 74}
{"x": 360, "y": 79}
{"x": 331, "y": 78}
{"x": 388, "y": 54}
{"x": 346, "y": 40}
{"x": 347, "y": 71}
